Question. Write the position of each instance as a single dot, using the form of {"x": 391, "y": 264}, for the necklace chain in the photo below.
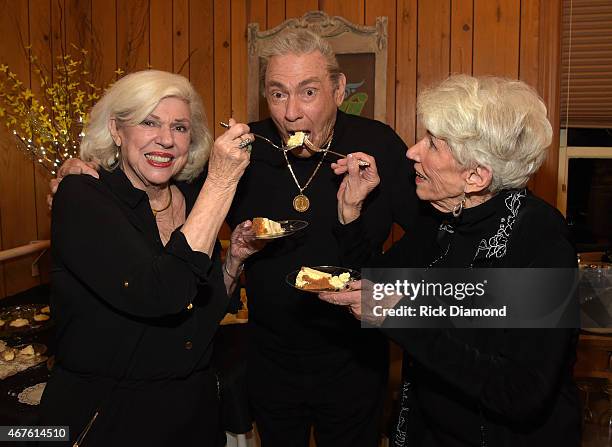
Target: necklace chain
{"x": 155, "y": 212}
{"x": 443, "y": 255}
{"x": 302, "y": 189}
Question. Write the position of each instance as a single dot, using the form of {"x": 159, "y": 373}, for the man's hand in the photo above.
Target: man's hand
{"x": 72, "y": 166}
{"x": 243, "y": 243}
{"x": 358, "y": 182}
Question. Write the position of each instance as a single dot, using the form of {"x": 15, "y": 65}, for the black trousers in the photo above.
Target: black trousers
{"x": 338, "y": 393}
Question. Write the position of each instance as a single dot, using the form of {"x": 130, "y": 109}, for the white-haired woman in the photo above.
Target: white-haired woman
{"x": 482, "y": 387}
{"x": 138, "y": 287}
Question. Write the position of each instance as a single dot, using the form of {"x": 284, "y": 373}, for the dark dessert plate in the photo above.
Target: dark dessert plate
{"x": 332, "y": 270}
{"x": 289, "y": 227}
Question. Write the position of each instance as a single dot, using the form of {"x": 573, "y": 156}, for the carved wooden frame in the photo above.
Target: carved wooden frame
{"x": 345, "y": 38}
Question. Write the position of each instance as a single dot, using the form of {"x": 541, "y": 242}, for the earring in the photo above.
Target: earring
{"x": 115, "y": 158}
{"x": 458, "y": 208}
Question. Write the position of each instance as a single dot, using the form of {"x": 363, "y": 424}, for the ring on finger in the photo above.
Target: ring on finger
{"x": 244, "y": 143}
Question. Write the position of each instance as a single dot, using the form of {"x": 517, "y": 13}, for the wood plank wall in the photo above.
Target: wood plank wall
{"x": 205, "y": 40}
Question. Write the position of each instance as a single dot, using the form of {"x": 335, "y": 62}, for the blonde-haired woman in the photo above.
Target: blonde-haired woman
{"x": 138, "y": 286}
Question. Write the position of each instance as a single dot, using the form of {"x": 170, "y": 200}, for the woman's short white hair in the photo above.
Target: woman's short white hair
{"x": 129, "y": 101}
{"x": 489, "y": 121}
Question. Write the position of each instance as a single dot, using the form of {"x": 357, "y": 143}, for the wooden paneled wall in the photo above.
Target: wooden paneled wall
{"x": 206, "y": 41}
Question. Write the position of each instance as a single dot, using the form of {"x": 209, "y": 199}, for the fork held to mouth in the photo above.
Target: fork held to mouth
{"x": 227, "y": 126}
{"x": 307, "y": 143}
{"x": 312, "y": 147}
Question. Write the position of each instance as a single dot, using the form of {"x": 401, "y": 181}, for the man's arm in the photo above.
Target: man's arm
{"x": 72, "y": 166}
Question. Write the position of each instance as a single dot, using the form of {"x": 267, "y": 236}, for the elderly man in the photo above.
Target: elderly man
{"x": 309, "y": 363}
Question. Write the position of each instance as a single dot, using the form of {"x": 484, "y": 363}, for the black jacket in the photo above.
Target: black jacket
{"x": 494, "y": 387}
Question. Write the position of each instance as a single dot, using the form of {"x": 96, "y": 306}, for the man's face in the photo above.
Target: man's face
{"x": 301, "y": 97}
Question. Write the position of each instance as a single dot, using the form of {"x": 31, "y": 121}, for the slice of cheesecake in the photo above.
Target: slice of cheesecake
{"x": 311, "y": 279}
{"x": 266, "y": 227}
{"x": 297, "y": 139}
{"x": 19, "y": 322}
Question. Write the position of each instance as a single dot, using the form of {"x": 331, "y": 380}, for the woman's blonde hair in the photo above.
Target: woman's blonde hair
{"x": 129, "y": 101}
{"x": 489, "y": 121}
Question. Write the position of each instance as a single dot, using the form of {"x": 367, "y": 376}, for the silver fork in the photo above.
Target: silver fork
{"x": 310, "y": 145}
{"x": 307, "y": 142}
{"x": 276, "y": 146}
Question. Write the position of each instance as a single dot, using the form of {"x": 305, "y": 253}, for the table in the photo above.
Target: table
{"x": 12, "y": 412}
{"x": 229, "y": 356}
{"x": 594, "y": 356}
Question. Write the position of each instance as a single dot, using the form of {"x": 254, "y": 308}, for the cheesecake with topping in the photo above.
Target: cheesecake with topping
{"x": 28, "y": 350}
{"x": 8, "y": 355}
{"x": 19, "y": 322}
{"x": 266, "y": 227}
{"x": 297, "y": 139}
{"x": 311, "y": 279}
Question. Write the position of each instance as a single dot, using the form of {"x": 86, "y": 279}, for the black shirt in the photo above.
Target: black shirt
{"x": 494, "y": 387}
{"x": 280, "y": 315}
{"x": 120, "y": 298}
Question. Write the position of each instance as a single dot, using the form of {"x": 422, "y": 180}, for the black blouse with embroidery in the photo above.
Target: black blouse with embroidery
{"x": 484, "y": 386}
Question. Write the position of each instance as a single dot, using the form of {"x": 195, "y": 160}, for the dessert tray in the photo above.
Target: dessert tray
{"x": 24, "y": 319}
{"x": 14, "y": 359}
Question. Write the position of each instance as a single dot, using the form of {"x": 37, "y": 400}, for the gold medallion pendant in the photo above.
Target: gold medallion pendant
{"x": 301, "y": 203}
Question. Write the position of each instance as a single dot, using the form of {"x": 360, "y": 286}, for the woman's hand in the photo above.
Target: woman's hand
{"x": 351, "y": 298}
{"x": 361, "y": 301}
{"x": 358, "y": 182}
{"x": 230, "y": 156}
